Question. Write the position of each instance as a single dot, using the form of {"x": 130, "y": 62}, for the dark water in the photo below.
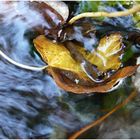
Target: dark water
{"x": 33, "y": 106}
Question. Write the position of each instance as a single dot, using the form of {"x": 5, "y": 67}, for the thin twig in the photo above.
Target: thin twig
{"x": 93, "y": 124}
{"x": 33, "y": 68}
{"x": 106, "y": 14}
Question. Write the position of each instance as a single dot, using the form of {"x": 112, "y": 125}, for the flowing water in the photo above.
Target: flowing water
{"x": 33, "y": 106}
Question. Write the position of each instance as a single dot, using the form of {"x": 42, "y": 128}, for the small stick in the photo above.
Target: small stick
{"x": 33, "y": 68}
{"x": 98, "y": 121}
{"x": 134, "y": 9}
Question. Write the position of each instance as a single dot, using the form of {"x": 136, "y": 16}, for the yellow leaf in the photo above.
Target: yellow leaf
{"x": 105, "y": 57}
{"x": 56, "y": 55}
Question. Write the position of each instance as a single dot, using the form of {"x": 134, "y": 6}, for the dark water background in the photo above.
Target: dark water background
{"x": 33, "y": 106}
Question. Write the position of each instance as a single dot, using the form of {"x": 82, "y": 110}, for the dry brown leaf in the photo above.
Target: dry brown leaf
{"x": 68, "y": 85}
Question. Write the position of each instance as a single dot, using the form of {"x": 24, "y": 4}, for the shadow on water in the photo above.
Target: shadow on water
{"x": 31, "y": 104}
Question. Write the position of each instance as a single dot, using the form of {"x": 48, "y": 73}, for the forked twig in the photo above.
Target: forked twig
{"x": 33, "y": 68}
{"x": 106, "y": 14}
{"x": 93, "y": 124}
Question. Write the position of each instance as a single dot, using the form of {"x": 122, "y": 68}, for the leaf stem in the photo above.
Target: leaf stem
{"x": 33, "y": 68}
{"x": 134, "y": 9}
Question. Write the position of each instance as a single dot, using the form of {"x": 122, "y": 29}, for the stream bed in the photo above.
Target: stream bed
{"x": 33, "y": 106}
